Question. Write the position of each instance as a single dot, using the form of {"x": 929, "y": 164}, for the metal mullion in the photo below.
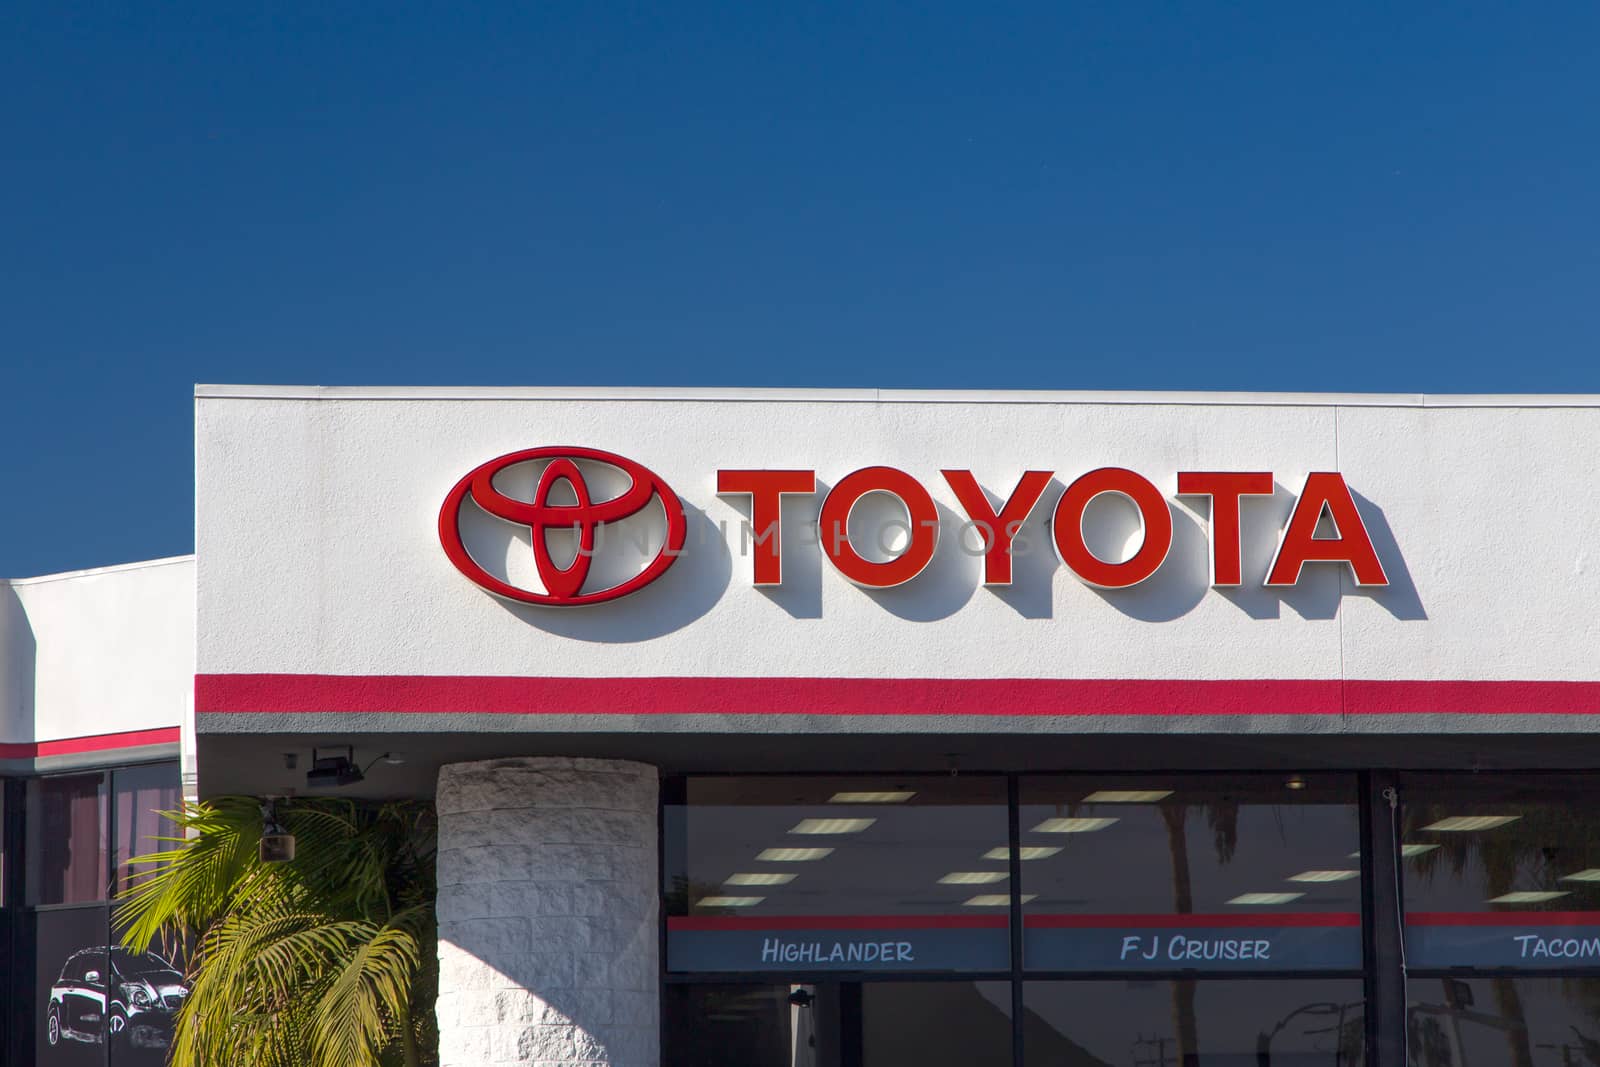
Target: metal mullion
{"x": 1014, "y": 836}
{"x": 1382, "y": 921}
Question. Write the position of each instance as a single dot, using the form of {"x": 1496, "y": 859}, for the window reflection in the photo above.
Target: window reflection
{"x": 936, "y": 1024}
{"x": 142, "y": 794}
{"x": 1191, "y": 873}
{"x": 67, "y": 839}
{"x": 1183, "y": 845}
{"x": 839, "y": 1024}
{"x": 1503, "y": 1022}
{"x": 838, "y": 874}
{"x": 1501, "y": 871}
{"x": 1492, "y": 843}
{"x": 833, "y": 846}
{"x": 1187, "y": 1023}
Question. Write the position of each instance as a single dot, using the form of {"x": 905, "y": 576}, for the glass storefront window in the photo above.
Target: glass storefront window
{"x": 842, "y": 874}
{"x": 1183, "y": 1022}
{"x": 1501, "y": 872}
{"x": 142, "y": 794}
{"x": 93, "y": 1003}
{"x": 839, "y": 1024}
{"x": 5, "y": 850}
{"x": 1215, "y": 873}
{"x": 1503, "y": 1021}
{"x": 67, "y": 839}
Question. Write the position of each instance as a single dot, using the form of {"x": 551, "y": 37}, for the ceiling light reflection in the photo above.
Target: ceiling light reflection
{"x": 1527, "y": 897}
{"x": 1323, "y": 876}
{"x": 793, "y": 855}
{"x": 1265, "y": 898}
{"x": 758, "y": 878}
{"x": 730, "y": 902}
{"x": 1127, "y": 796}
{"x": 994, "y": 900}
{"x": 1468, "y": 823}
{"x": 1026, "y": 852}
{"x": 831, "y": 826}
{"x": 1072, "y": 826}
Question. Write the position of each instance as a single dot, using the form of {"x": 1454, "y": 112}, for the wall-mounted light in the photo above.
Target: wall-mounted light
{"x": 277, "y": 844}
{"x": 331, "y": 771}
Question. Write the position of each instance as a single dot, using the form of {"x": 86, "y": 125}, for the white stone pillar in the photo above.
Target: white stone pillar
{"x": 548, "y": 937}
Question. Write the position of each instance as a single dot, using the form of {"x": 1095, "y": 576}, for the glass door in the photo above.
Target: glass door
{"x": 839, "y": 1024}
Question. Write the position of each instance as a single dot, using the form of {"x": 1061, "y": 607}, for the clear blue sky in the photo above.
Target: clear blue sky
{"x": 1205, "y": 196}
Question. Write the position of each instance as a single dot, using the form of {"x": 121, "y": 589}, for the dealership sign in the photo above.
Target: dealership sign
{"x": 577, "y": 496}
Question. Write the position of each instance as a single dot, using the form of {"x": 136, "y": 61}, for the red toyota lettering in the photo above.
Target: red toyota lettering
{"x": 998, "y": 529}
{"x": 766, "y": 490}
{"x": 1154, "y": 516}
{"x": 1226, "y": 489}
{"x": 834, "y": 527}
{"x": 1325, "y": 491}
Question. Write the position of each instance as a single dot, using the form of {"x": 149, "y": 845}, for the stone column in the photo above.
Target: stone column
{"x": 548, "y": 937}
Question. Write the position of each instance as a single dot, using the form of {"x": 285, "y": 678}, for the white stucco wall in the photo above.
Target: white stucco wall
{"x": 97, "y": 652}
{"x": 319, "y": 555}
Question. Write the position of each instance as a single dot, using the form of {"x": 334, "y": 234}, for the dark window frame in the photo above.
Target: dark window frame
{"x": 19, "y": 1025}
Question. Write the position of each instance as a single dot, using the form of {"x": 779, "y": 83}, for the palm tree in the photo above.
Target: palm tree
{"x": 326, "y": 961}
{"x": 1223, "y": 818}
{"x": 1548, "y": 841}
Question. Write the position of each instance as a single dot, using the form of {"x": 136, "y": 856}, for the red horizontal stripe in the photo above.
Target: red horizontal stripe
{"x": 1503, "y": 918}
{"x": 447, "y": 694}
{"x": 1471, "y": 698}
{"x": 71, "y": 746}
{"x": 1255, "y": 921}
{"x": 837, "y": 922}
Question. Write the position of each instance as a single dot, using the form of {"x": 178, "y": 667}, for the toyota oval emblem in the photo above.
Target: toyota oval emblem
{"x": 583, "y": 519}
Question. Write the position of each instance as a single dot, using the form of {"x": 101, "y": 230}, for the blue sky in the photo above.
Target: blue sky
{"x": 1075, "y": 196}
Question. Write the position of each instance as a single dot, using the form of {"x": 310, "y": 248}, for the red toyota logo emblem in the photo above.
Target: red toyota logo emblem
{"x": 585, "y": 517}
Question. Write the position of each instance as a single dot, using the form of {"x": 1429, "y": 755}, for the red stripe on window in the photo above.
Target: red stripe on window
{"x": 836, "y": 922}
{"x": 1503, "y": 918}
{"x": 1288, "y": 918}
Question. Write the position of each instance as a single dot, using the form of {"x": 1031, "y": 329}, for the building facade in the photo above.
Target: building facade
{"x": 871, "y": 728}
{"x": 95, "y": 680}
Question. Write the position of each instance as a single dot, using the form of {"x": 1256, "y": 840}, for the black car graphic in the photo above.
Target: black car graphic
{"x": 131, "y": 996}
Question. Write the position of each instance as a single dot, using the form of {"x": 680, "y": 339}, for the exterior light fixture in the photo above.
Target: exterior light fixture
{"x": 1295, "y": 782}
{"x": 277, "y": 844}
{"x": 331, "y": 771}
